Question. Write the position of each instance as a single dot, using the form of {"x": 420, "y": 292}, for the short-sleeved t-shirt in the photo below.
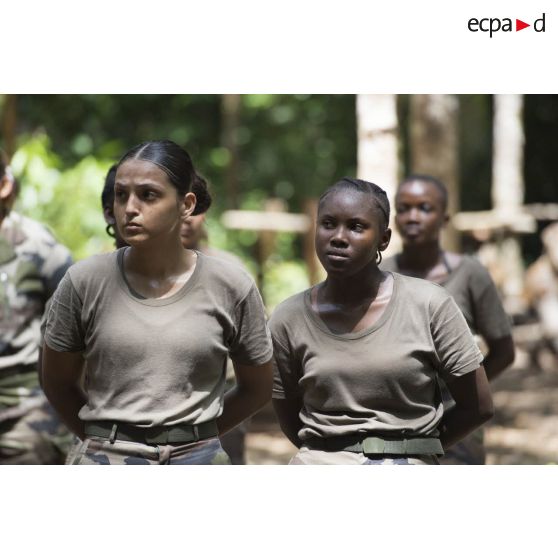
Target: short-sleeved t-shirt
{"x": 382, "y": 380}
{"x": 157, "y": 362}
{"x": 472, "y": 288}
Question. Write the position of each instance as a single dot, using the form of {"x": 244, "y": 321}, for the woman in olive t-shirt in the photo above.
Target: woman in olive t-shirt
{"x": 357, "y": 357}
{"x": 421, "y": 214}
{"x": 155, "y": 323}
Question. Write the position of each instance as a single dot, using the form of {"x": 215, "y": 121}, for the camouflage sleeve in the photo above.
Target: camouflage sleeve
{"x": 55, "y": 263}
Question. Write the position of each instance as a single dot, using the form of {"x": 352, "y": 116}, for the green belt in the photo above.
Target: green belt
{"x": 376, "y": 445}
{"x": 180, "y": 433}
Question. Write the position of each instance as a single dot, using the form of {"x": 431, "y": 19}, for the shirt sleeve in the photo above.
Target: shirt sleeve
{"x": 490, "y": 318}
{"x": 285, "y": 372}
{"x": 251, "y": 344}
{"x": 56, "y": 262}
{"x": 63, "y": 330}
{"x": 456, "y": 351}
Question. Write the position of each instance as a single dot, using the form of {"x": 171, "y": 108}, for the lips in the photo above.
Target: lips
{"x": 337, "y": 256}
{"x": 412, "y": 231}
{"x": 132, "y": 227}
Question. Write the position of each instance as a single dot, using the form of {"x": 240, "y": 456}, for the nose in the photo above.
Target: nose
{"x": 339, "y": 237}
{"x": 132, "y": 206}
{"x": 413, "y": 215}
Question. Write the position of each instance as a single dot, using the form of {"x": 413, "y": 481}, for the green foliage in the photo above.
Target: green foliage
{"x": 282, "y": 280}
{"x": 65, "y": 199}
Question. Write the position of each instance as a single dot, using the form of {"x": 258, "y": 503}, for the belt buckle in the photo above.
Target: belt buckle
{"x": 373, "y": 445}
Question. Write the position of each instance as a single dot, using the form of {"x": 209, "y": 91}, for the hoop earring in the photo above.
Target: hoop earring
{"x": 379, "y": 258}
{"x": 110, "y": 231}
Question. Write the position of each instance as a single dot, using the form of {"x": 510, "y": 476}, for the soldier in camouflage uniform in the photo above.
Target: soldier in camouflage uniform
{"x": 31, "y": 265}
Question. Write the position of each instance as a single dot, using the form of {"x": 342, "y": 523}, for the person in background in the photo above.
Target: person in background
{"x": 421, "y": 214}
{"x": 194, "y": 237}
{"x": 541, "y": 287}
{"x": 32, "y": 263}
{"x": 358, "y": 356}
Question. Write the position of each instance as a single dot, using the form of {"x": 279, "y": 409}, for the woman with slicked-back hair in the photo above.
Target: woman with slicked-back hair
{"x": 155, "y": 323}
{"x": 358, "y": 356}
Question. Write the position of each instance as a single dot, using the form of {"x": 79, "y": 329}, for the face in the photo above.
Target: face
{"x": 147, "y": 207}
{"x": 420, "y": 214}
{"x": 348, "y": 234}
{"x": 191, "y": 230}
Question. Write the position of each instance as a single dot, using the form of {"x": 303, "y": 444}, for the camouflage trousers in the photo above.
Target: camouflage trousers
{"x": 307, "y": 456}
{"x": 99, "y": 451}
{"x": 469, "y": 451}
{"x": 36, "y": 437}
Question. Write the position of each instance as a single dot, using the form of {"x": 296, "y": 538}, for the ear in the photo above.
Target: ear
{"x": 109, "y": 216}
{"x": 446, "y": 220}
{"x": 384, "y": 242}
{"x": 6, "y": 188}
{"x": 187, "y": 205}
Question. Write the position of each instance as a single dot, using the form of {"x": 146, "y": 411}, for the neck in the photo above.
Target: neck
{"x": 353, "y": 290}
{"x": 157, "y": 261}
{"x": 421, "y": 257}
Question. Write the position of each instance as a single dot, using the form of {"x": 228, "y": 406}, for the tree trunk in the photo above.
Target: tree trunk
{"x": 434, "y": 148}
{"x": 508, "y": 187}
{"x": 9, "y": 122}
{"x": 231, "y": 105}
{"x": 377, "y": 155}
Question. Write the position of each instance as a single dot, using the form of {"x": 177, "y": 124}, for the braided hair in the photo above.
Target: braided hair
{"x": 377, "y": 194}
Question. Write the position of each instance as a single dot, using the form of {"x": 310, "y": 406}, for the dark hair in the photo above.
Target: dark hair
{"x": 378, "y": 195}
{"x": 107, "y": 195}
{"x": 438, "y": 184}
{"x": 177, "y": 165}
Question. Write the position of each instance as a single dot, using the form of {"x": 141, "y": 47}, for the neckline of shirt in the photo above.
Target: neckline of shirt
{"x": 317, "y": 320}
{"x": 125, "y": 286}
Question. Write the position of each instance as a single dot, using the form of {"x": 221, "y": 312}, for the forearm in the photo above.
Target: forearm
{"x": 67, "y": 400}
{"x": 501, "y": 354}
{"x": 473, "y": 406}
{"x": 240, "y": 403}
{"x": 288, "y": 414}
{"x": 458, "y": 423}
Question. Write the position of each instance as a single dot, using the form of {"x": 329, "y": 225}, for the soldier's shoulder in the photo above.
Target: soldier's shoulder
{"x": 29, "y": 235}
{"x": 94, "y": 269}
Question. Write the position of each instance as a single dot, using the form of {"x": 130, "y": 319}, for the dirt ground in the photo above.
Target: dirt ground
{"x": 523, "y": 431}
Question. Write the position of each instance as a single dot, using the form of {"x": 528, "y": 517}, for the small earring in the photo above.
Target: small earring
{"x": 110, "y": 230}
{"x": 379, "y": 258}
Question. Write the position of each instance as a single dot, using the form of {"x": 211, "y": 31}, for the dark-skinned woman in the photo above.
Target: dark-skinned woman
{"x": 421, "y": 214}
{"x": 358, "y": 357}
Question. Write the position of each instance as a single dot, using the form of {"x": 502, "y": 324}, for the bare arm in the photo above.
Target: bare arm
{"x": 288, "y": 411}
{"x": 473, "y": 406}
{"x": 501, "y": 353}
{"x": 60, "y": 375}
{"x": 252, "y": 391}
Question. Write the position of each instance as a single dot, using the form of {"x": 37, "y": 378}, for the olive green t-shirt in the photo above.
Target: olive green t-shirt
{"x": 153, "y": 362}
{"x": 472, "y": 288}
{"x": 381, "y": 380}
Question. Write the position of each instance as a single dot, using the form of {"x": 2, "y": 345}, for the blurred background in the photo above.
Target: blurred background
{"x": 269, "y": 157}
